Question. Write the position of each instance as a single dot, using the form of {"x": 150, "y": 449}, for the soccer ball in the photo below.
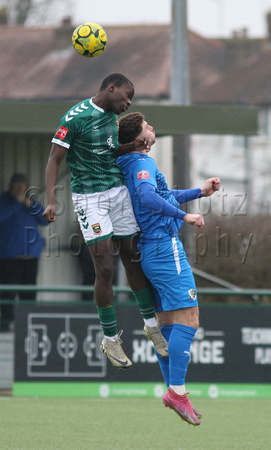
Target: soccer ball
{"x": 89, "y": 39}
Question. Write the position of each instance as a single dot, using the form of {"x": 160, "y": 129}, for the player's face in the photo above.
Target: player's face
{"x": 147, "y": 133}
{"x": 121, "y": 98}
{"x": 18, "y": 189}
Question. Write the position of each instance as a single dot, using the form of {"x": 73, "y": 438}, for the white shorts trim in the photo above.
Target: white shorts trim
{"x": 105, "y": 214}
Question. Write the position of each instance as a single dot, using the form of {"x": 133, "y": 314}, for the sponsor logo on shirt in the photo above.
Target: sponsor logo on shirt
{"x": 61, "y": 132}
{"x": 110, "y": 142}
{"x": 143, "y": 175}
{"x": 96, "y": 227}
{"x": 99, "y": 151}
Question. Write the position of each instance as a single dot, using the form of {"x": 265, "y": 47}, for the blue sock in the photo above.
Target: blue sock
{"x": 164, "y": 362}
{"x": 179, "y": 345}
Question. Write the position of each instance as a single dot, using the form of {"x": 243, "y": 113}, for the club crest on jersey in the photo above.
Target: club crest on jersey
{"x": 61, "y": 132}
{"x": 143, "y": 175}
{"x": 117, "y": 123}
{"x": 96, "y": 228}
{"x": 192, "y": 294}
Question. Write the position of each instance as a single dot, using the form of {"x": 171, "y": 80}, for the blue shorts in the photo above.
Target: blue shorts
{"x": 165, "y": 265}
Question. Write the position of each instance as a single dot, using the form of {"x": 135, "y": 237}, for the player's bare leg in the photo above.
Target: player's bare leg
{"x": 130, "y": 257}
{"x": 102, "y": 256}
{"x": 142, "y": 290}
{"x": 183, "y": 316}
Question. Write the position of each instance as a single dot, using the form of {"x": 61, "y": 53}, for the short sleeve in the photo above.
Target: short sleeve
{"x": 64, "y": 133}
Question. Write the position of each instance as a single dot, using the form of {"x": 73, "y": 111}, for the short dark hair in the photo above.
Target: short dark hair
{"x": 117, "y": 79}
{"x": 17, "y": 178}
{"x": 130, "y": 126}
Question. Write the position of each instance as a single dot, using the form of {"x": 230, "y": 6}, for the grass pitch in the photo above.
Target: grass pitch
{"x": 114, "y": 424}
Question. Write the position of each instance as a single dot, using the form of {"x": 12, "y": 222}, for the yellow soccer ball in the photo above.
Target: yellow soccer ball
{"x": 89, "y": 39}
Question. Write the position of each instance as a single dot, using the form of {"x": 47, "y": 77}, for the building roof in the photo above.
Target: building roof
{"x": 249, "y": 83}
{"x": 40, "y": 63}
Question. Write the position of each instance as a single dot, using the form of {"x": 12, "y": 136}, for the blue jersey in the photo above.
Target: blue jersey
{"x": 138, "y": 168}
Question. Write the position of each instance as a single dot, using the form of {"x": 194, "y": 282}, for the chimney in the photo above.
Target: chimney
{"x": 63, "y": 34}
{"x": 3, "y": 16}
{"x": 268, "y": 18}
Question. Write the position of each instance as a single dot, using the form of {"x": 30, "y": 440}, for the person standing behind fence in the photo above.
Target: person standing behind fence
{"x": 20, "y": 243}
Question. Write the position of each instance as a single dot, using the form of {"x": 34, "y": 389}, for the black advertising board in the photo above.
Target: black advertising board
{"x": 57, "y": 343}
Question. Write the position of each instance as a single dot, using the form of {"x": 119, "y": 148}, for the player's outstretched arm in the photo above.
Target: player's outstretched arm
{"x": 55, "y": 158}
{"x": 194, "y": 219}
{"x": 148, "y": 198}
{"x": 184, "y": 196}
{"x": 210, "y": 186}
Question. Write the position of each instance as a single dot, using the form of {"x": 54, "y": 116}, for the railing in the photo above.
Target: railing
{"x": 127, "y": 290}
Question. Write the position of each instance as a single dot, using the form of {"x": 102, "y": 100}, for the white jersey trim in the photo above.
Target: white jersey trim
{"x": 95, "y": 106}
{"x": 61, "y": 143}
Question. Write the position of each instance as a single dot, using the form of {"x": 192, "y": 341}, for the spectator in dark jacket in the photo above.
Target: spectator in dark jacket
{"x": 20, "y": 243}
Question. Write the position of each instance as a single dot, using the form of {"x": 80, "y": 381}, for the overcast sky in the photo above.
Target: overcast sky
{"x": 211, "y": 18}
{"x": 207, "y": 17}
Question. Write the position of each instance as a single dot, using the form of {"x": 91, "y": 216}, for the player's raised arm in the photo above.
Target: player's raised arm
{"x": 55, "y": 158}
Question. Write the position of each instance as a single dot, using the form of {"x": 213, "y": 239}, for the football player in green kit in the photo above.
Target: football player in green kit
{"x": 88, "y": 137}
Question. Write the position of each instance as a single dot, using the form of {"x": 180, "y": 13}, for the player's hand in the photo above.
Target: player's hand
{"x": 194, "y": 219}
{"x": 27, "y": 202}
{"x": 138, "y": 144}
{"x": 210, "y": 186}
{"x": 50, "y": 213}
{"x": 142, "y": 144}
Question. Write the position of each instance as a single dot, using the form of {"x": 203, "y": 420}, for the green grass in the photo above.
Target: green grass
{"x": 105, "y": 424}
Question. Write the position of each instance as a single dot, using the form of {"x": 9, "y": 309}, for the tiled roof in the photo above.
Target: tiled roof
{"x": 40, "y": 64}
{"x": 250, "y": 83}
{"x": 34, "y": 68}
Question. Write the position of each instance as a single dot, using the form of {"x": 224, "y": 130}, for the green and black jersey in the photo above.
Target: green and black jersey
{"x": 90, "y": 136}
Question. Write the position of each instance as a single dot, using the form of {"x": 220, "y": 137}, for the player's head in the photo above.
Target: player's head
{"x": 133, "y": 126}
{"x": 18, "y": 184}
{"x": 118, "y": 91}
{"x": 117, "y": 79}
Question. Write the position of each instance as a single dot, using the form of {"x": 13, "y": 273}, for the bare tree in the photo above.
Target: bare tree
{"x": 22, "y": 8}
{"x": 36, "y": 11}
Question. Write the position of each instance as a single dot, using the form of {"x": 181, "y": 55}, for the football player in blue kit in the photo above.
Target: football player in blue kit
{"x": 163, "y": 258}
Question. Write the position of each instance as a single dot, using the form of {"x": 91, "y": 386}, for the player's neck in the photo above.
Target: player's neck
{"x": 100, "y": 101}
{"x": 143, "y": 152}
